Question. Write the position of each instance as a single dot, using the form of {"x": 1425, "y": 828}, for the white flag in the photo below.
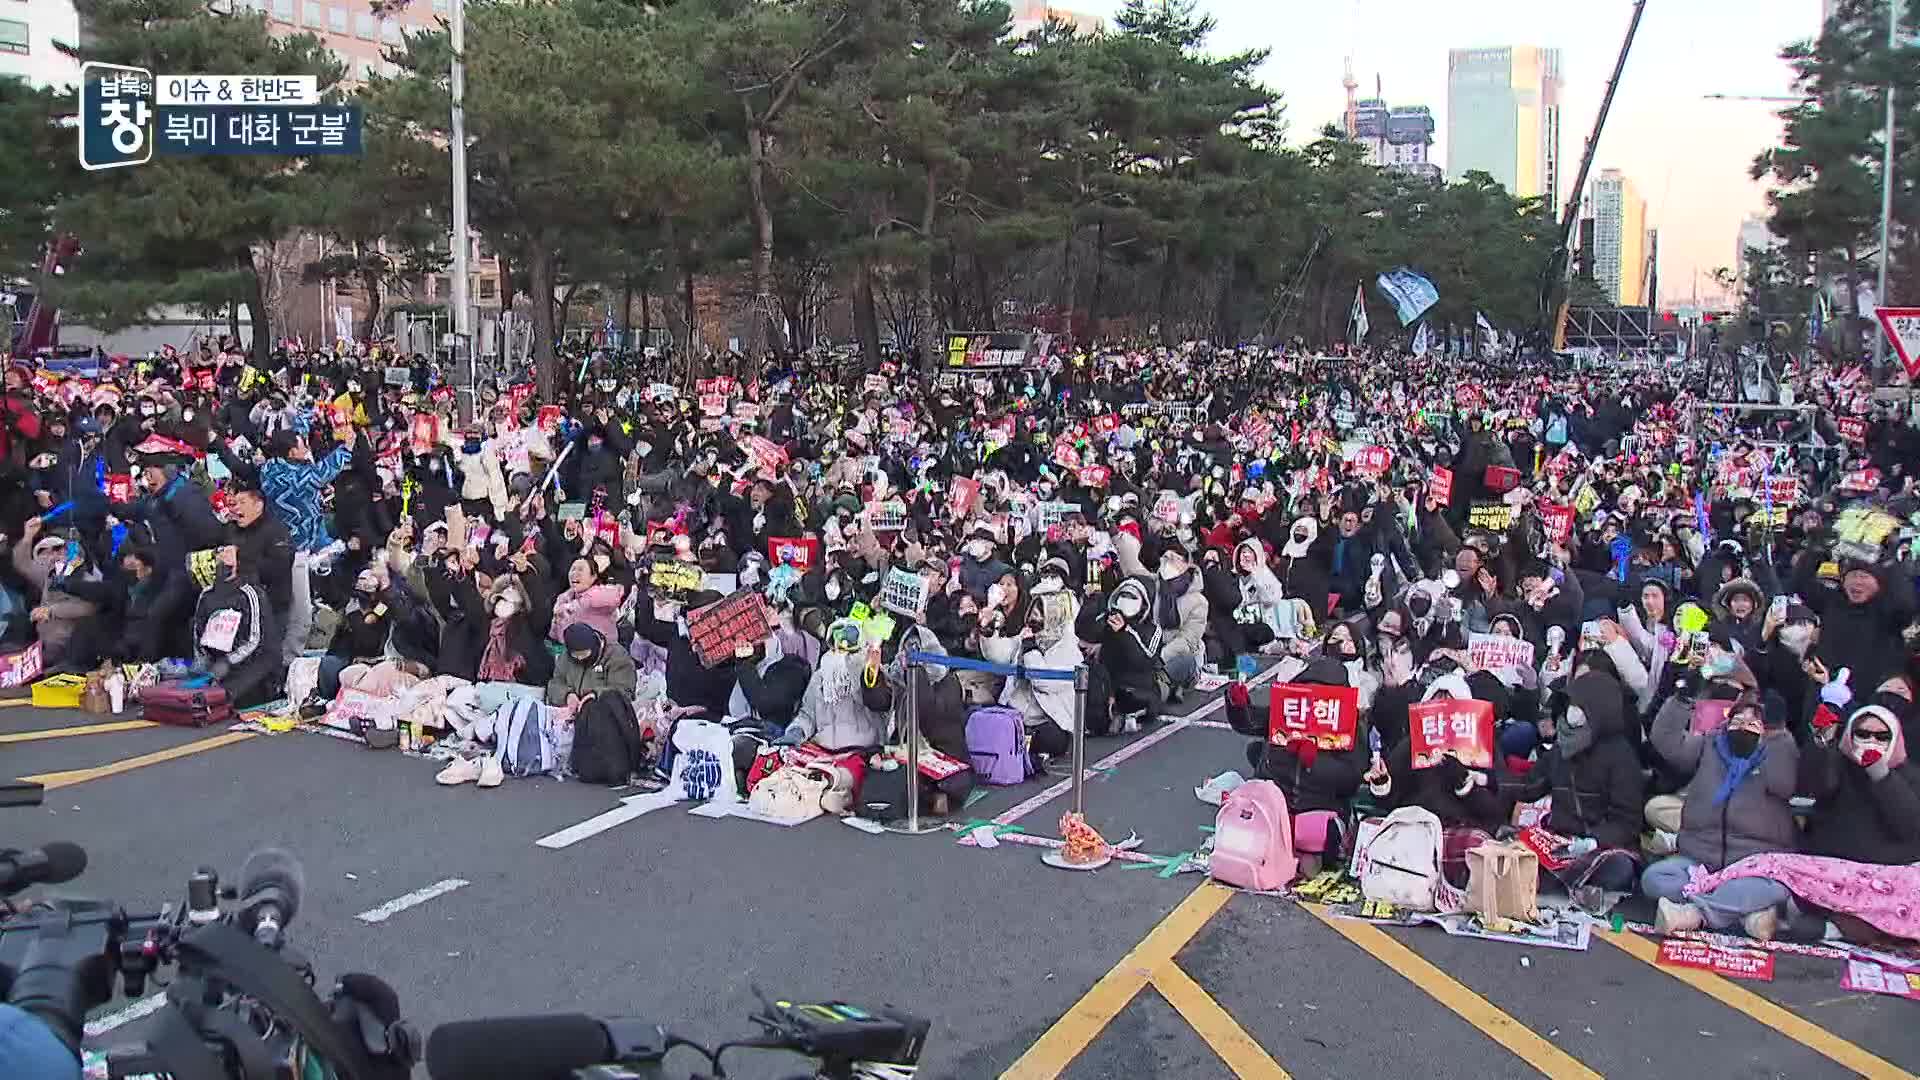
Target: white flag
{"x": 1359, "y": 316}
{"x": 1480, "y": 319}
{"x": 1420, "y": 341}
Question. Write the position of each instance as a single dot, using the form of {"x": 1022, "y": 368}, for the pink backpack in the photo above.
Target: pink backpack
{"x": 1253, "y": 838}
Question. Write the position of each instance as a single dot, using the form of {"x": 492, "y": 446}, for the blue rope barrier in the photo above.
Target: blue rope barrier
{"x": 967, "y": 663}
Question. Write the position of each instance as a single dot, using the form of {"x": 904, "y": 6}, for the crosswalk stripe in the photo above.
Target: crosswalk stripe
{"x": 1783, "y": 1020}
{"x": 1548, "y": 1059}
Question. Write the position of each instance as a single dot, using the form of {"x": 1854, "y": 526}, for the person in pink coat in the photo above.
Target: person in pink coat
{"x": 586, "y": 601}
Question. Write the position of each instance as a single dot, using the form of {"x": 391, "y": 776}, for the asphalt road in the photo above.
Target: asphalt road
{"x": 1021, "y": 967}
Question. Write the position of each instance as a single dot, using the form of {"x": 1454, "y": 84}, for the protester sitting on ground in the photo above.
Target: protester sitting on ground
{"x": 1866, "y": 806}
{"x": 155, "y": 624}
{"x": 1588, "y": 766}
{"x": 586, "y": 600}
{"x": 848, "y": 702}
{"x": 587, "y": 667}
{"x": 1740, "y": 778}
{"x": 235, "y": 634}
{"x": 1468, "y": 801}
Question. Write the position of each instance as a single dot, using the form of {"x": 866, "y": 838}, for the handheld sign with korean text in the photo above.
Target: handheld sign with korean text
{"x": 1462, "y": 725}
{"x": 1329, "y": 715}
{"x": 717, "y": 630}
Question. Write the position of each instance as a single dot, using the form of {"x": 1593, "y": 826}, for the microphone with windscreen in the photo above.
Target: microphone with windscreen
{"x": 270, "y": 886}
{"x": 50, "y": 865}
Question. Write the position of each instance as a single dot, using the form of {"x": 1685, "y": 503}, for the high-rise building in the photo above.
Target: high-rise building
{"x": 1619, "y": 238}
{"x": 28, "y": 32}
{"x": 1503, "y": 118}
{"x": 1395, "y": 137}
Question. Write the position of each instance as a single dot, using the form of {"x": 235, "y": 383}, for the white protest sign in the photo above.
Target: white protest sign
{"x": 1490, "y": 652}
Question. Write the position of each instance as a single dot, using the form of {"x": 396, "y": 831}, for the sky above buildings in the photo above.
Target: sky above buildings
{"x": 1688, "y": 156}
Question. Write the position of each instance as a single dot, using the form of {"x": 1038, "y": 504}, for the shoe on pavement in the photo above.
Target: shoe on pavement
{"x": 1761, "y": 925}
{"x": 1675, "y": 918}
{"x": 461, "y": 771}
{"x": 313, "y": 710}
{"x": 491, "y": 774}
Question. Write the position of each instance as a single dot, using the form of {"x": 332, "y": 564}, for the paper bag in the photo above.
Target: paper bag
{"x": 1504, "y": 881}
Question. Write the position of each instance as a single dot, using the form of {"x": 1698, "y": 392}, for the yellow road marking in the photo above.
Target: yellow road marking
{"x": 1546, "y": 1058}
{"x": 1784, "y": 1021}
{"x": 83, "y": 729}
{"x": 71, "y": 777}
{"x": 1229, "y": 1040}
{"x": 1069, "y": 1035}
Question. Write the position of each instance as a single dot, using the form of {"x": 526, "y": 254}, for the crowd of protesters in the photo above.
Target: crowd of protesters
{"x": 327, "y": 528}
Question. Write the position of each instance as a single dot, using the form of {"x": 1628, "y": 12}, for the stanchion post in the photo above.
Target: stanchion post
{"x": 912, "y": 709}
{"x": 1080, "y": 739}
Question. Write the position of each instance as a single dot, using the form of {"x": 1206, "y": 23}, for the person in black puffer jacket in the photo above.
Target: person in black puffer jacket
{"x": 1593, "y": 773}
{"x": 1313, "y": 779}
{"x": 1868, "y": 792}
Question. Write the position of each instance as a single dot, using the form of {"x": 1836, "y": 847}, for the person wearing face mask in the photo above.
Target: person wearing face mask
{"x": 1180, "y": 615}
{"x": 1784, "y": 660}
{"x": 1866, "y": 790}
{"x": 1305, "y": 564}
{"x": 1043, "y": 638}
{"x": 483, "y": 487}
{"x": 768, "y": 684}
{"x": 514, "y": 650}
{"x": 589, "y": 666}
{"x": 980, "y": 564}
{"x": 1468, "y": 802}
{"x": 361, "y": 638}
{"x": 848, "y": 704}
{"x": 1739, "y": 779}
{"x": 1127, "y": 638}
{"x": 1590, "y": 768}
{"x": 1315, "y": 781}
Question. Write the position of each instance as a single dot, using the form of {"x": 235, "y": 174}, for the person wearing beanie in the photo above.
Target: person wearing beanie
{"x": 588, "y": 666}
{"x": 1589, "y": 767}
{"x": 1738, "y": 781}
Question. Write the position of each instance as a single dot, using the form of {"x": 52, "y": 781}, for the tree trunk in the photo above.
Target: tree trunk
{"x": 761, "y": 329}
{"x": 626, "y": 312}
{"x": 540, "y": 284}
{"x": 923, "y": 277}
{"x": 1164, "y": 306}
{"x": 1225, "y": 313}
{"x": 693, "y": 323}
{"x": 866, "y": 318}
{"x": 646, "y": 318}
{"x": 563, "y": 310}
{"x": 262, "y": 346}
{"x": 1099, "y": 278}
{"x": 370, "y": 280}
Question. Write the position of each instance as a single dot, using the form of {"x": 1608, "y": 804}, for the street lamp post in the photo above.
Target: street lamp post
{"x": 462, "y": 314}
{"x": 1886, "y": 184}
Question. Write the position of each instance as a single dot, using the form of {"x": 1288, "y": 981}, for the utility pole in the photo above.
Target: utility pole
{"x": 1886, "y": 184}
{"x": 462, "y": 351}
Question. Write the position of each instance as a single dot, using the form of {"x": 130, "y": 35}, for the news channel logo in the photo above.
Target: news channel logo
{"x": 127, "y": 115}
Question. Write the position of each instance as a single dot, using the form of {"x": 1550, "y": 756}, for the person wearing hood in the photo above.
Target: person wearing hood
{"x": 1253, "y": 621}
{"x": 770, "y": 677}
{"x": 1467, "y": 801}
{"x": 483, "y": 486}
{"x": 587, "y": 666}
{"x": 1740, "y": 608}
{"x": 48, "y": 563}
{"x": 1043, "y": 640}
{"x": 1867, "y": 811}
{"x": 848, "y": 704}
{"x": 1305, "y": 563}
{"x": 1589, "y": 767}
{"x": 1180, "y": 616}
{"x": 1316, "y": 781}
{"x": 1127, "y": 639}
{"x": 1739, "y": 779}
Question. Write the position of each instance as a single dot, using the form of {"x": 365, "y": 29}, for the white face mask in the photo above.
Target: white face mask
{"x": 1576, "y": 716}
{"x": 981, "y": 550}
{"x": 833, "y": 590}
{"x": 1128, "y": 606}
{"x": 1796, "y": 637}
{"x": 1169, "y": 571}
{"x": 504, "y": 608}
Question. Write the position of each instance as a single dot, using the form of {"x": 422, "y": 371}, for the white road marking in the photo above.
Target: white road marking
{"x": 413, "y": 899}
{"x": 631, "y": 807}
{"x": 146, "y": 1006}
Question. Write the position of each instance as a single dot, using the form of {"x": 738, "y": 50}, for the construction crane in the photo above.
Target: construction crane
{"x": 1353, "y": 109}
{"x": 1553, "y": 281}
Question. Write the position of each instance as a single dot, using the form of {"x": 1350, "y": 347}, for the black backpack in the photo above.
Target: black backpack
{"x": 607, "y": 748}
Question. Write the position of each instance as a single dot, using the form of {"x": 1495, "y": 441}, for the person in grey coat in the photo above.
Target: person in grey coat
{"x": 1740, "y": 778}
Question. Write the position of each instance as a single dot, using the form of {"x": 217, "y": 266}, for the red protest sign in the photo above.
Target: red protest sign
{"x": 715, "y": 631}
{"x": 1550, "y": 849}
{"x": 1065, "y": 455}
{"x": 1440, "y": 485}
{"x": 1861, "y": 481}
{"x": 1373, "y": 460}
{"x": 1329, "y": 715}
{"x": 1783, "y": 490}
{"x": 1852, "y": 428}
{"x": 1734, "y": 963}
{"x": 426, "y": 432}
{"x": 19, "y": 669}
{"x": 1557, "y": 520}
{"x": 1106, "y": 424}
{"x": 548, "y": 418}
{"x": 1500, "y": 479}
{"x": 120, "y": 487}
{"x": 966, "y": 496}
{"x": 801, "y": 552}
{"x": 1462, "y": 725}
{"x": 1095, "y": 475}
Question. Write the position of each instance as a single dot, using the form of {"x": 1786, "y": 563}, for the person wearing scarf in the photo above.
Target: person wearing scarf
{"x": 513, "y": 651}
{"x": 1739, "y": 780}
{"x": 1180, "y": 614}
{"x": 840, "y": 709}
